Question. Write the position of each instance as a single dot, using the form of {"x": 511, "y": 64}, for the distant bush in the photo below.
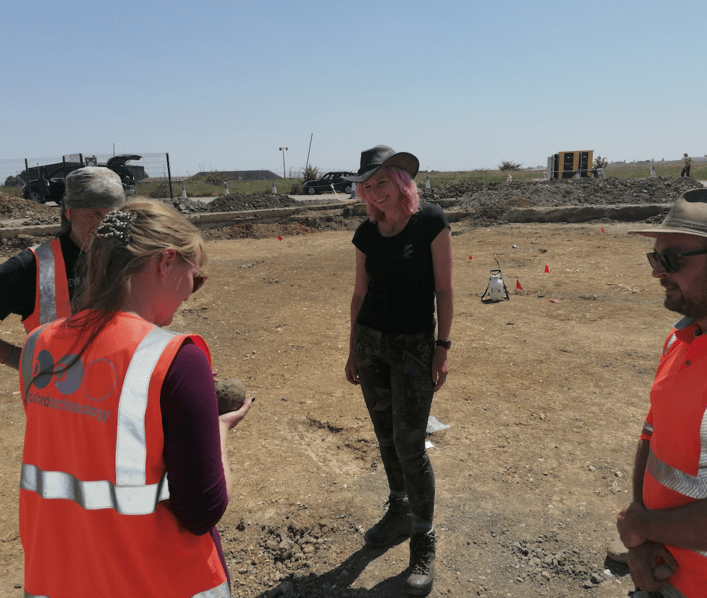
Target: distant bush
{"x": 215, "y": 178}
{"x": 509, "y": 166}
{"x": 12, "y": 181}
{"x": 311, "y": 173}
{"x": 600, "y": 162}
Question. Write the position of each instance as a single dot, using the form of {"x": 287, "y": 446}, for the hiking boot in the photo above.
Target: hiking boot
{"x": 422, "y": 564}
{"x": 397, "y": 522}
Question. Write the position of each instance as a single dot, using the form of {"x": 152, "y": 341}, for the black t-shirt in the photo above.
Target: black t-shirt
{"x": 18, "y": 279}
{"x": 401, "y": 287}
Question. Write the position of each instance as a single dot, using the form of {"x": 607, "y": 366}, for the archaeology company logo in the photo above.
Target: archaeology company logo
{"x": 70, "y": 376}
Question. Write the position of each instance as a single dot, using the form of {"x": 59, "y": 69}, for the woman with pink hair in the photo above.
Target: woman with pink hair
{"x": 403, "y": 274}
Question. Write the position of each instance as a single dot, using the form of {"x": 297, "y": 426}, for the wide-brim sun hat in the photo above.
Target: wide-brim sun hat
{"x": 381, "y": 155}
{"x": 687, "y": 217}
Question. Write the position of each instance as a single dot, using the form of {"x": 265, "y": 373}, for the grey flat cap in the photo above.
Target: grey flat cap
{"x": 93, "y": 187}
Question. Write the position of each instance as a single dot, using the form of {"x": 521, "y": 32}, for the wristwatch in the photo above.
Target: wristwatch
{"x": 444, "y": 342}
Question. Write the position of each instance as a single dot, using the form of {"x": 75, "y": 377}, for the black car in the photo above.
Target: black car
{"x": 329, "y": 183}
{"x": 46, "y": 182}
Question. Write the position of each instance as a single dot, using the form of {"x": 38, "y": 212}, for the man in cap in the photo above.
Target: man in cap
{"x": 38, "y": 283}
{"x": 665, "y": 527}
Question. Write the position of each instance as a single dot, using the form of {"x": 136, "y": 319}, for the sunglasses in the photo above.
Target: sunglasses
{"x": 199, "y": 279}
{"x": 670, "y": 261}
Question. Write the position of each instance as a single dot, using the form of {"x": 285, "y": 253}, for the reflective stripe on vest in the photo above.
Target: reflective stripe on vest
{"x": 51, "y": 300}
{"x": 129, "y": 495}
{"x": 47, "y": 290}
{"x": 679, "y": 481}
{"x": 94, "y": 495}
{"x": 221, "y": 591}
{"x": 130, "y": 446}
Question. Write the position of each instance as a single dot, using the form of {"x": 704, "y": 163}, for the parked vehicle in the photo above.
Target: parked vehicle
{"x": 329, "y": 183}
{"x": 46, "y": 182}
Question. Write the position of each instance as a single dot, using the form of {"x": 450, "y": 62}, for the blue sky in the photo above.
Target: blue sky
{"x": 462, "y": 85}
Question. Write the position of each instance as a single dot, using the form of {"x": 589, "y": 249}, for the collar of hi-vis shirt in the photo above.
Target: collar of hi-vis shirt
{"x": 687, "y": 330}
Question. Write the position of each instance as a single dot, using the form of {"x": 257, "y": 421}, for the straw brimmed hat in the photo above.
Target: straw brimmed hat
{"x": 687, "y": 217}
{"x": 381, "y": 155}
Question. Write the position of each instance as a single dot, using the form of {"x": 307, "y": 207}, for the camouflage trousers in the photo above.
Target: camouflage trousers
{"x": 395, "y": 375}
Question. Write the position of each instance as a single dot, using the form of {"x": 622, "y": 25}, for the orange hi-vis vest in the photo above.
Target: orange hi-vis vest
{"x": 52, "y": 296}
{"x": 94, "y": 498}
{"x": 676, "y": 472}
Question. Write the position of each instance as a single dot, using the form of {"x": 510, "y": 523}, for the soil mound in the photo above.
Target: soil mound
{"x": 30, "y": 212}
{"x": 487, "y": 204}
{"x": 238, "y": 202}
{"x": 567, "y": 192}
{"x": 482, "y": 205}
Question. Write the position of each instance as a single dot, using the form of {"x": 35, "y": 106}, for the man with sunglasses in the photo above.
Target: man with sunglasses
{"x": 665, "y": 527}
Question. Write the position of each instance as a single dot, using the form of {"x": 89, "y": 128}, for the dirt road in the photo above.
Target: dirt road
{"x": 546, "y": 398}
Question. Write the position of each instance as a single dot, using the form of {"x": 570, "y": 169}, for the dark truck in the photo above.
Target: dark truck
{"x": 46, "y": 182}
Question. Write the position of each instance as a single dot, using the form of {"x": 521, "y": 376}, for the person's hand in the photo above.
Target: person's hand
{"x": 643, "y": 559}
{"x": 231, "y": 419}
{"x": 440, "y": 368}
{"x": 351, "y": 370}
{"x": 12, "y": 358}
{"x": 214, "y": 374}
{"x": 630, "y": 523}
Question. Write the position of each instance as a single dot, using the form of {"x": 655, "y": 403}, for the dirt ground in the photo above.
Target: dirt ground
{"x": 545, "y": 400}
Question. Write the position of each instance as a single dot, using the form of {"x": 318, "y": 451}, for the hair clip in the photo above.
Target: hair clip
{"x": 117, "y": 224}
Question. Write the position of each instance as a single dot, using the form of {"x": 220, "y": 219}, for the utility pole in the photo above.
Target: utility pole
{"x": 309, "y": 150}
{"x": 284, "y": 173}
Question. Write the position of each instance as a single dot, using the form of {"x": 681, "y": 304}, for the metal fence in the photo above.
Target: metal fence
{"x": 154, "y": 165}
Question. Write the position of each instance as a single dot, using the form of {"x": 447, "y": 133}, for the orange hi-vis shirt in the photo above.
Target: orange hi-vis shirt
{"x": 94, "y": 494}
{"x": 676, "y": 473}
{"x": 52, "y": 295}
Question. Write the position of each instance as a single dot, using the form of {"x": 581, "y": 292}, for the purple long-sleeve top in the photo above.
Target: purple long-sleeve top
{"x": 192, "y": 444}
